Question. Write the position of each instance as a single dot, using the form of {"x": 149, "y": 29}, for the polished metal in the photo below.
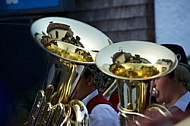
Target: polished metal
{"x": 110, "y": 89}
{"x": 53, "y": 105}
{"x": 135, "y": 92}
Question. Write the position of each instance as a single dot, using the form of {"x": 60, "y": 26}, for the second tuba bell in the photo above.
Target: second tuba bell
{"x": 134, "y": 64}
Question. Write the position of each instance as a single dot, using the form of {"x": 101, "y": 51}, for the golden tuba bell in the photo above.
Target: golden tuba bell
{"x": 71, "y": 45}
{"x": 134, "y": 64}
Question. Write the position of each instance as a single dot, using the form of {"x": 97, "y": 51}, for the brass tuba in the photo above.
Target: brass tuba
{"x": 134, "y": 64}
{"x": 71, "y": 46}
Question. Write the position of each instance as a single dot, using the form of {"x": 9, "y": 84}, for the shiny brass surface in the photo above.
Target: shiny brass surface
{"x": 80, "y": 113}
{"x": 66, "y": 64}
{"x": 65, "y": 74}
{"x": 142, "y": 48}
{"x": 52, "y": 106}
{"x": 135, "y": 90}
{"x": 134, "y": 95}
{"x": 36, "y": 109}
{"x": 160, "y": 108}
{"x": 112, "y": 87}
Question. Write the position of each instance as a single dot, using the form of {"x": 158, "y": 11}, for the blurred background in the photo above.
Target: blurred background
{"x": 23, "y": 64}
